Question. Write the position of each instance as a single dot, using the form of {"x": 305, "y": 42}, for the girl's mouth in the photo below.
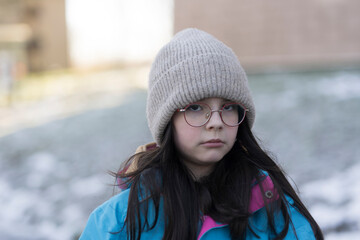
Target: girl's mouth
{"x": 213, "y": 143}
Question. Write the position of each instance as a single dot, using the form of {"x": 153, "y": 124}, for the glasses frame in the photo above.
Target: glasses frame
{"x": 212, "y": 111}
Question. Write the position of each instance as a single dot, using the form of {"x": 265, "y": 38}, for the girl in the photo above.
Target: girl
{"x": 206, "y": 177}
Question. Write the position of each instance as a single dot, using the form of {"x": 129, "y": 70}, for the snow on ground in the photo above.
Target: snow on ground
{"x": 54, "y": 173}
{"x": 334, "y": 203}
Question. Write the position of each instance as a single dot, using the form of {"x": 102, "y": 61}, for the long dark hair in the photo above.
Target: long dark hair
{"x": 224, "y": 195}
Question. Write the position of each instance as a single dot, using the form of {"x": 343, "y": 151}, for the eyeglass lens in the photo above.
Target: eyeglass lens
{"x": 198, "y": 114}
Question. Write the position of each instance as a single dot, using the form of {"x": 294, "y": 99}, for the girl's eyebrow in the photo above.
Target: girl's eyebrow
{"x": 226, "y": 101}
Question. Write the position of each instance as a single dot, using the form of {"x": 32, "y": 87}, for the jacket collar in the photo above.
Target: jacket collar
{"x": 257, "y": 201}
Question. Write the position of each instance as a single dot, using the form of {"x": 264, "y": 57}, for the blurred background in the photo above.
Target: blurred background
{"x": 73, "y": 76}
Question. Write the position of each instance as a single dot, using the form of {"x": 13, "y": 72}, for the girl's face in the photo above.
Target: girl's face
{"x": 200, "y": 148}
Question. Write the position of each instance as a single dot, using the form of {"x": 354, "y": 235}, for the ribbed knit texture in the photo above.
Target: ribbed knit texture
{"x": 194, "y": 65}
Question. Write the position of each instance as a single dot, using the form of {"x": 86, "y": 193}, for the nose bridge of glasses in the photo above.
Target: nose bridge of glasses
{"x": 211, "y": 115}
{"x": 219, "y": 111}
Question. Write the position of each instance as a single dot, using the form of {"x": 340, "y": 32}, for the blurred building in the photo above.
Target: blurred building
{"x": 266, "y": 35}
{"x": 280, "y": 34}
{"x": 33, "y": 34}
{"x": 115, "y": 32}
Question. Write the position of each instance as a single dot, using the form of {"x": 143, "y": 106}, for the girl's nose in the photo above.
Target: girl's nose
{"x": 215, "y": 121}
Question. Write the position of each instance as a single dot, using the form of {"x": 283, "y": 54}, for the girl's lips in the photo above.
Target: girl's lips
{"x": 213, "y": 143}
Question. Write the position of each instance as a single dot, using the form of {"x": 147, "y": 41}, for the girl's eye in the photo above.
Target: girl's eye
{"x": 194, "y": 107}
{"x": 229, "y": 107}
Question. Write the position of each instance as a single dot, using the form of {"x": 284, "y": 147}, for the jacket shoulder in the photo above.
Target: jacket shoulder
{"x": 107, "y": 220}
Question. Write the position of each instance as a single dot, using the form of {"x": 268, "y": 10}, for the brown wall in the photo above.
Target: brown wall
{"x": 280, "y": 33}
{"x": 47, "y": 47}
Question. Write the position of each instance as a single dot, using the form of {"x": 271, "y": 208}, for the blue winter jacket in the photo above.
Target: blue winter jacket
{"x": 107, "y": 221}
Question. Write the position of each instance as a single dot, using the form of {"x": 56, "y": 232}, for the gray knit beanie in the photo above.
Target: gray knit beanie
{"x": 194, "y": 65}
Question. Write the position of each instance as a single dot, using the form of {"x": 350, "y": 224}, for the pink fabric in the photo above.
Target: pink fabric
{"x": 256, "y": 203}
{"x": 256, "y": 199}
{"x": 208, "y": 224}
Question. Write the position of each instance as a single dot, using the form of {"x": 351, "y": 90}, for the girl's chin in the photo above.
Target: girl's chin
{"x": 212, "y": 156}
{"x": 211, "y": 160}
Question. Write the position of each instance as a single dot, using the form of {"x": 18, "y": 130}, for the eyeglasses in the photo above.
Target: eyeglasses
{"x": 198, "y": 114}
